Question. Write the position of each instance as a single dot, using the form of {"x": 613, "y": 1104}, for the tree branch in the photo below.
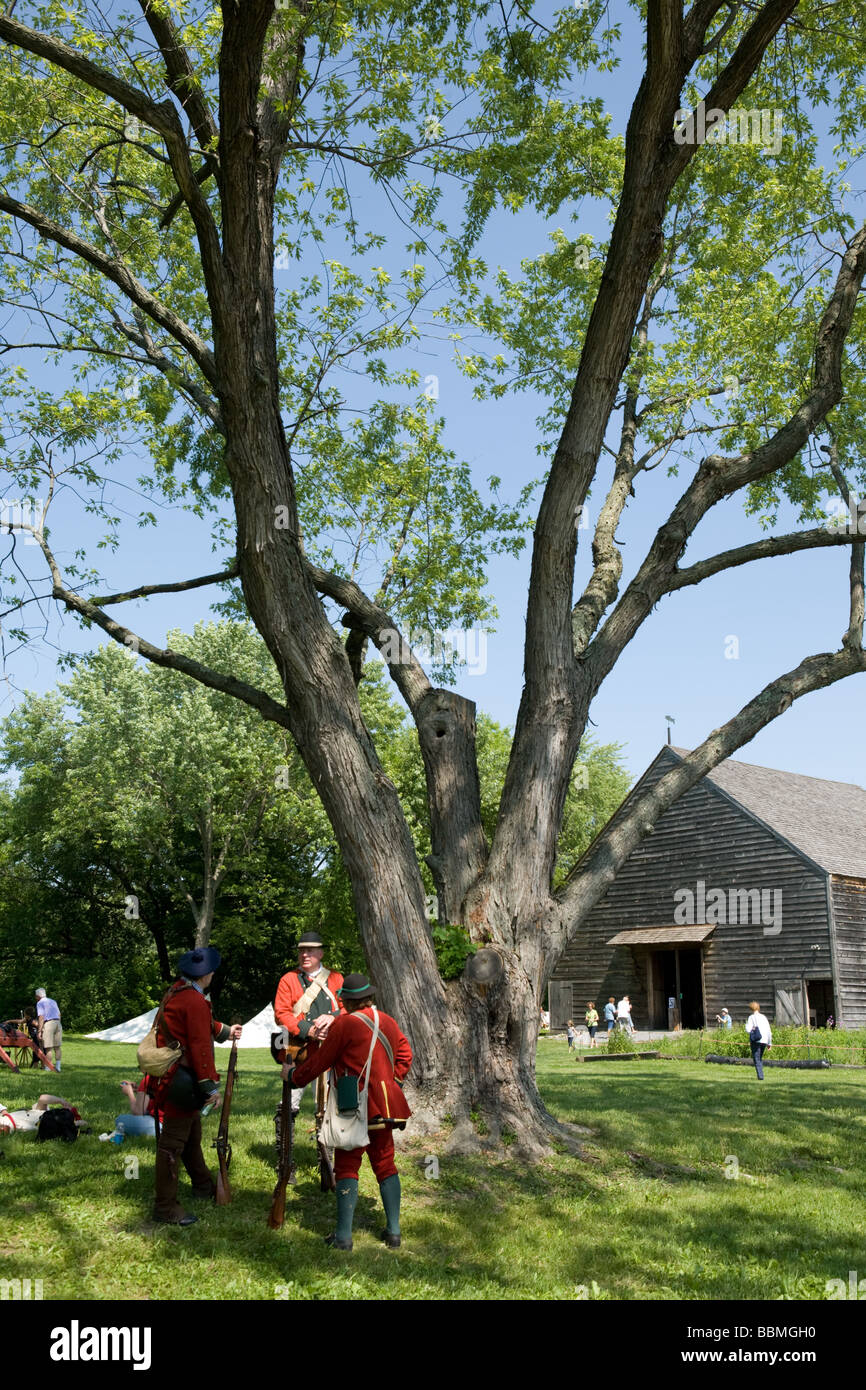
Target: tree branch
{"x": 446, "y": 735}
{"x": 284, "y": 52}
{"x": 259, "y": 700}
{"x": 367, "y": 617}
{"x": 160, "y": 116}
{"x": 145, "y": 590}
{"x": 757, "y": 550}
{"x": 555, "y": 696}
{"x": 119, "y": 274}
{"x": 853, "y": 638}
{"x": 598, "y": 867}
{"x": 183, "y": 80}
{"x": 720, "y": 477}
{"x": 206, "y": 404}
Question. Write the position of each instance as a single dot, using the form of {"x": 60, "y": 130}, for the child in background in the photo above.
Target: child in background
{"x": 569, "y": 1033}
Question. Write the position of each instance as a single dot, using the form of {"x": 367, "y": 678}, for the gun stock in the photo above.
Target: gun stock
{"x": 277, "y": 1213}
{"x": 221, "y": 1143}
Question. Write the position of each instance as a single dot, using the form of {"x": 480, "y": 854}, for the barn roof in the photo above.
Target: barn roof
{"x": 825, "y": 820}
{"x": 663, "y": 936}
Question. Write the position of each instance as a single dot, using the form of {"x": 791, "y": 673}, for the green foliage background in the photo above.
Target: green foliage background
{"x": 113, "y": 772}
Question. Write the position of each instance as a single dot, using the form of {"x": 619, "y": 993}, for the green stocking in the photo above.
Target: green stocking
{"x": 390, "y": 1193}
{"x": 347, "y": 1199}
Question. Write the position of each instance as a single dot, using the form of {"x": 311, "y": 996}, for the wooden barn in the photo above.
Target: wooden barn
{"x": 752, "y": 886}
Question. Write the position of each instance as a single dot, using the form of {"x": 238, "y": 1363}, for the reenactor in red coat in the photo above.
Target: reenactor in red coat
{"x": 185, "y": 1017}
{"x": 345, "y": 1050}
{"x": 307, "y": 1003}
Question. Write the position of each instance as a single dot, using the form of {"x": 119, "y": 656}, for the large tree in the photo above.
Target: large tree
{"x": 163, "y": 164}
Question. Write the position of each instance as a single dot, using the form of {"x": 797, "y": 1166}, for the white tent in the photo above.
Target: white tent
{"x": 132, "y": 1031}
{"x": 257, "y": 1033}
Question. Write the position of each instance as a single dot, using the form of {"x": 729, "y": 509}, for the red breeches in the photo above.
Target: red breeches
{"x": 347, "y": 1162}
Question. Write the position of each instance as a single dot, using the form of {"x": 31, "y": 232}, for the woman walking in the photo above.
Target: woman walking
{"x": 592, "y": 1021}
{"x": 760, "y": 1036}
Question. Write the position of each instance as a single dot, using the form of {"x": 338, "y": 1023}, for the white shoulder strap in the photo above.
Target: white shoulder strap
{"x": 372, "y": 1045}
{"x": 314, "y": 988}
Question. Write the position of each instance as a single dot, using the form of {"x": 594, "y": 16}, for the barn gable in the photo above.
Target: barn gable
{"x": 738, "y": 851}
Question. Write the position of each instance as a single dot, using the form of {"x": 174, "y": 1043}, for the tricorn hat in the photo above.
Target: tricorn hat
{"x": 356, "y": 987}
{"x": 202, "y": 961}
{"x": 311, "y": 938}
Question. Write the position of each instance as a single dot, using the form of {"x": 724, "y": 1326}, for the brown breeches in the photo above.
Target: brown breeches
{"x": 180, "y": 1138}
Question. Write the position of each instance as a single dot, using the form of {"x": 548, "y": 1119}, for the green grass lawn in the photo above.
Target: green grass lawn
{"x": 648, "y": 1214}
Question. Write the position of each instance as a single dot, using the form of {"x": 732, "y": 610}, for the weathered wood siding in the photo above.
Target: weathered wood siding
{"x": 705, "y": 836}
{"x": 849, "y": 923}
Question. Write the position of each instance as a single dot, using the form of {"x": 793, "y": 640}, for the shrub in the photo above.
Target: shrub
{"x": 453, "y": 948}
{"x": 619, "y": 1041}
{"x": 790, "y": 1042}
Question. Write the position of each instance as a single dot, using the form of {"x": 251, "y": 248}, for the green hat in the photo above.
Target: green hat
{"x": 356, "y": 987}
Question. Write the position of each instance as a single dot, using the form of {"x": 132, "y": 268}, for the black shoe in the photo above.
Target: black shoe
{"x": 205, "y": 1194}
{"x": 389, "y": 1239}
{"x": 185, "y": 1219}
{"x": 337, "y": 1244}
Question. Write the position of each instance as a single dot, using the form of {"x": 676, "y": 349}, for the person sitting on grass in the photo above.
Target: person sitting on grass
{"x": 141, "y": 1109}
{"x": 27, "y": 1121}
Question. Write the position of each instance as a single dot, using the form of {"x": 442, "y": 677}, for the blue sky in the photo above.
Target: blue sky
{"x": 779, "y": 610}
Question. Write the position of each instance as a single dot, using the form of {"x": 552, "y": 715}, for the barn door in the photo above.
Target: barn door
{"x": 560, "y": 997}
{"x": 790, "y": 1004}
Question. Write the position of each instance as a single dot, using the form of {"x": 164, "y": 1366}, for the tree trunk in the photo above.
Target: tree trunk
{"x": 161, "y": 951}
{"x": 486, "y": 1086}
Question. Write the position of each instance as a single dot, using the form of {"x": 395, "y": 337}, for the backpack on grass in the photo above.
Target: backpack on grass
{"x": 57, "y": 1124}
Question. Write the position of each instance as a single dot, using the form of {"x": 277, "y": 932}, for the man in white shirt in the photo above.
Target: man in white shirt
{"x": 623, "y": 1013}
{"x": 759, "y": 1021}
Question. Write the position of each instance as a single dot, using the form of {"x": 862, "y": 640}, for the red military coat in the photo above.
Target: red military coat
{"x": 346, "y": 1049}
{"x": 190, "y": 1022}
{"x": 291, "y": 988}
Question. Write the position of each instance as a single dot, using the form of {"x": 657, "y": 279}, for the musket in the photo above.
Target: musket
{"x": 327, "y": 1179}
{"x": 221, "y": 1143}
{"x": 277, "y": 1213}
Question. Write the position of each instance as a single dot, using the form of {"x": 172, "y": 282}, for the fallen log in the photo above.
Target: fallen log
{"x": 817, "y": 1064}
{"x": 617, "y": 1056}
